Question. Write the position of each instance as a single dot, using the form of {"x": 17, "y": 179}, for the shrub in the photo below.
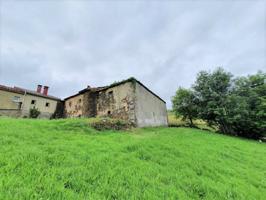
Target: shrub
{"x": 111, "y": 124}
{"x": 34, "y": 113}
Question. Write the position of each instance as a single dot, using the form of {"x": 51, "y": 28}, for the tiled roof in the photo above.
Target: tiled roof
{"x": 19, "y": 90}
{"x": 94, "y": 89}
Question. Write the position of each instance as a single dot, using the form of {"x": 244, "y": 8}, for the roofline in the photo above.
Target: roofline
{"x": 77, "y": 94}
{"x": 150, "y": 91}
{"x": 83, "y": 91}
{"x": 25, "y": 91}
{"x": 46, "y": 97}
{"x": 132, "y": 79}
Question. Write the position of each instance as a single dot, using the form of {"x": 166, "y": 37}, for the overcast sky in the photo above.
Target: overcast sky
{"x": 68, "y": 45}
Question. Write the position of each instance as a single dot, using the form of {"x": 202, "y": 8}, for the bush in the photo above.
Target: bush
{"x": 111, "y": 124}
{"x": 34, "y": 113}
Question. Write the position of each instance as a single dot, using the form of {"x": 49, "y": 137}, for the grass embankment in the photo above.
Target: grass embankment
{"x": 66, "y": 159}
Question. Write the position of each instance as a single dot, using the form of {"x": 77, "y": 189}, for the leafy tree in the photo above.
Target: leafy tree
{"x": 247, "y": 106}
{"x": 184, "y": 104}
{"x": 237, "y": 106}
{"x": 211, "y": 91}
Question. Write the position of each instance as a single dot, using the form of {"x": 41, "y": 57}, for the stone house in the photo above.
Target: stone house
{"x": 129, "y": 100}
{"x": 17, "y": 102}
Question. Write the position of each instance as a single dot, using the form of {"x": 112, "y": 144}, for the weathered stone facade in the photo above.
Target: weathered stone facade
{"x": 117, "y": 102}
{"x": 122, "y": 100}
{"x": 128, "y": 100}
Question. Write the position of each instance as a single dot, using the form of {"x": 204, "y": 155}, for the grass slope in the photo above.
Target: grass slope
{"x": 66, "y": 159}
{"x": 178, "y": 122}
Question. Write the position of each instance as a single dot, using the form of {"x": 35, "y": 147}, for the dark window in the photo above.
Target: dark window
{"x": 109, "y": 112}
{"x": 33, "y": 102}
{"x": 70, "y": 103}
{"x": 19, "y": 105}
{"x": 47, "y": 104}
{"x": 110, "y": 94}
{"x": 79, "y": 100}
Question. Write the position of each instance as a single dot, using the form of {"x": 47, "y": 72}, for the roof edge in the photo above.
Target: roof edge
{"x": 131, "y": 79}
{"x": 19, "y": 90}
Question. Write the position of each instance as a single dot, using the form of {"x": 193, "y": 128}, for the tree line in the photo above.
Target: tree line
{"x": 236, "y": 105}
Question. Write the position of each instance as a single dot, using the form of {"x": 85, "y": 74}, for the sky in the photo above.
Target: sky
{"x": 68, "y": 45}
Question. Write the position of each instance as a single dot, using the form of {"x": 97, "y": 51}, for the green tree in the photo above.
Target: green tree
{"x": 184, "y": 104}
{"x": 247, "y": 106}
{"x": 237, "y": 106}
{"x": 211, "y": 91}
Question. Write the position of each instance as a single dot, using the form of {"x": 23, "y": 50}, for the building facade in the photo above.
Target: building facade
{"x": 129, "y": 100}
{"x": 17, "y": 102}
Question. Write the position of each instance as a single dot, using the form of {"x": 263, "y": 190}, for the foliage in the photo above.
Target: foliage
{"x": 111, "y": 124}
{"x": 66, "y": 159}
{"x": 116, "y": 83}
{"x": 211, "y": 91}
{"x": 34, "y": 113}
{"x": 184, "y": 104}
{"x": 237, "y": 106}
{"x": 247, "y": 106}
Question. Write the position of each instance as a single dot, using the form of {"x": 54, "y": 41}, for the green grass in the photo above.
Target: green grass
{"x": 66, "y": 159}
{"x": 178, "y": 122}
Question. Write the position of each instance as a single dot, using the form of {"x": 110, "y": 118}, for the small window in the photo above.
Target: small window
{"x": 110, "y": 94}
{"x": 33, "y": 102}
{"x": 70, "y": 104}
{"x": 19, "y": 105}
{"x": 79, "y": 100}
{"x": 47, "y": 104}
{"x": 109, "y": 112}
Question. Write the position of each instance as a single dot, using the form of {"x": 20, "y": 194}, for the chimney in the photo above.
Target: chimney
{"x": 39, "y": 88}
{"x": 45, "y": 90}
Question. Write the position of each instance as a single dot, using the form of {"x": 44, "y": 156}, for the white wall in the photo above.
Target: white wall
{"x": 150, "y": 110}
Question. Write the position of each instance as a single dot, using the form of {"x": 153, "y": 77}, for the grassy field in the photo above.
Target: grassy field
{"x": 66, "y": 159}
{"x": 178, "y": 122}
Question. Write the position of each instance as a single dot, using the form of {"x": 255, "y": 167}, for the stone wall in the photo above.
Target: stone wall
{"x": 90, "y": 104}
{"x": 74, "y": 106}
{"x": 10, "y": 112}
{"x": 117, "y": 102}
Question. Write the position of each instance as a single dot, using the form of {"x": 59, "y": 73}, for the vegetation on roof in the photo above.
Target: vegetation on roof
{"x": 131, "y": 79}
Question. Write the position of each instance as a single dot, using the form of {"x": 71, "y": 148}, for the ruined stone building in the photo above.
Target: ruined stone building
{"x": 17, "y": 102}
{"x": 128, "y": 100}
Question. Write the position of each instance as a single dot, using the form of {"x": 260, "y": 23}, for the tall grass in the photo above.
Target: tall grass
{"x": 179, "y": 122}
{"x": 67, "y": 159}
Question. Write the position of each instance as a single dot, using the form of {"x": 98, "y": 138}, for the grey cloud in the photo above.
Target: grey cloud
{"x": 70, "y": 44}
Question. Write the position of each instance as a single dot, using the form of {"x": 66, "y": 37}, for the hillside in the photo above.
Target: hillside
{"x": 66, "y": 159}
